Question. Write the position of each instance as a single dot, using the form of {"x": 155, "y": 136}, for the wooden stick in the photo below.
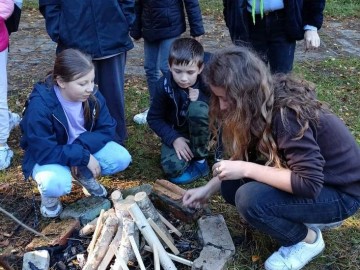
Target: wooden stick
{"x": 149, "y": 211}
{"x": 102, "y": 244}
{"x": 119, "y": 264}
{"x": 112, "y": 248}
{"x": 96, "y": 232}
{"x": 156, "y": 258}
{"x": 173, "y": 257}
{"x": 163, "y": 236}
{"x": 169, "y": 225}
{"x": 150, "y": 236}
{"x": 137, "y": 253}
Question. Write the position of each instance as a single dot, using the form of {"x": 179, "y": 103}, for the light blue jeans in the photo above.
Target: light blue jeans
{"x": 156, "y": 61}
{"x": 54, "y": 180}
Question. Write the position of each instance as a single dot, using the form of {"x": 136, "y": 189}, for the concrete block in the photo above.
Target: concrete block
{"x": 57, "y": 234}
{"x": 85, "y": 209}
{"x": 212, "y": 258}
{"x": 214, "y": 231}
{"x": 38, "y": 259}
{"x": 218, "y": 246}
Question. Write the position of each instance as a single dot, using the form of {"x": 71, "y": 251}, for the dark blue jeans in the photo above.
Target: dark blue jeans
{"x": 282, "y": 215}
{"x": 109, "y": 75}
{"x": 269, "y": 39}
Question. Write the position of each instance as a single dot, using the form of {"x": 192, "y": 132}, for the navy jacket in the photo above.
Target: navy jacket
{"x": 167, "y": 113}
{"x": 298, "y": 14}
{"x": 327, "y": 154}
{"x": 44, "y": 130}
{"x": 163, "y": 19}
{"x": 99, "y": 28}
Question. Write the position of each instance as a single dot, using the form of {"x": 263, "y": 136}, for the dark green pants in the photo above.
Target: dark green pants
{"x": 197, "y": 132}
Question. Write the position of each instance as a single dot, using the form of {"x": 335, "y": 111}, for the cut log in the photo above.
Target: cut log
{"x": 112, "y": 248}
{"x": 125, "y": 250}
{"x": 170, "y": 187}
{"x": 173, "y": 257}
{"x": 89, "y": 228}
{"x": 99, "y": 225}
{"x": 106, "y": 236}
{"x": 119, "y": 264}
{"x": 150, "y": 236}
{"x": 150, "y": 211}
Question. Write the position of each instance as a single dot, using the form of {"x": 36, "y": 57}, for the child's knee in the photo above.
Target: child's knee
{"x": 116, "y": 162}
{"x": 198, "y": 109}
{"x": 53, "y": 184}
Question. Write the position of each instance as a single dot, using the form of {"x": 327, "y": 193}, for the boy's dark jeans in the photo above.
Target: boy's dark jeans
{"x": 197, "y": 131}
{"x": 282, "y": 215}
{"x": 269, "y": 39}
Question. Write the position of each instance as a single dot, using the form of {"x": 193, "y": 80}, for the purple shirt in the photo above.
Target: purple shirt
{"x": 74, "y": 113}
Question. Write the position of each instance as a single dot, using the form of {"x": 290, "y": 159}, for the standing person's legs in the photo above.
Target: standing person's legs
{"x": 5, "y": 152}
{"x": 109, "y": 75}
{"x": 269, "y": 39}
{"x": 151, "y": 64}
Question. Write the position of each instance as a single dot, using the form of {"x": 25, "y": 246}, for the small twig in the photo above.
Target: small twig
{"x": 22, "y": 224}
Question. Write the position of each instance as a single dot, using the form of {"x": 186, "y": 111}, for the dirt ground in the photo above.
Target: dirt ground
{"x": 31, "y": 57}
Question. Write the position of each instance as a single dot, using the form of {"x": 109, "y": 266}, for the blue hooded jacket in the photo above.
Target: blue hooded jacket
{"x": 98, "y": 28}
{"x": 44, "y": 130}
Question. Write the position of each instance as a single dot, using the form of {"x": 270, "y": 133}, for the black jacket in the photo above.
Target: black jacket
{"x": 99, "y": 28}
{"x": 298, "y": 14}
{"x": 163, "y": 19}
{"x": 166, "y": 115}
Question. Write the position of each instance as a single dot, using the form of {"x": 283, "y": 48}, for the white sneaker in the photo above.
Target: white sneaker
{"x": 50, "y": 207}
{"x": 297, "y": 256}
{"x": 140, "y": 118}
{"x": 14, "y": 120}
{"x": 5, "y": 156}
{"x": 325, "y": 226}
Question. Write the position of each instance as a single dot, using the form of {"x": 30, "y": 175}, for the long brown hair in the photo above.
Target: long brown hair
{"x": 71, "y": 64}
{"x": 249, "y": 88}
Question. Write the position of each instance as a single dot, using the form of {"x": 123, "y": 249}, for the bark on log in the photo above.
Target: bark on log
{"x": 150, "y": 236}
{"x": 99, "y": 225}
{"x": 112, "y": 248}
{"x": 102, "y": 244}
{"x": 89, "y": 228}
{"x": 150, "y": 211}
{"x": 125, "y": 250}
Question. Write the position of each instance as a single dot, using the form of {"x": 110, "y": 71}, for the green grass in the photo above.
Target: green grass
{"x": 333, "y": 8}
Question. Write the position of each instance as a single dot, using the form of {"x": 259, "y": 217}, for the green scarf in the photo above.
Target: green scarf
{"x": 253, "y": 7}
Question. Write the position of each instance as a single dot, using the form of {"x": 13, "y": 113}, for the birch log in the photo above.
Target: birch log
{"x": 150, "y": 211}
{"x": 150, "y": 236}
{"x": 125, "y": 250}
{"x": 102, "y": 245}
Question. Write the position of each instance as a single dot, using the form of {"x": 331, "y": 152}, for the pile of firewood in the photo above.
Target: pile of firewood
{"x": 117, "y": 233}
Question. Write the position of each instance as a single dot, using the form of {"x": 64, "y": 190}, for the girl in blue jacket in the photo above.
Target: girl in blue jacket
{"x": 68, "y": 133}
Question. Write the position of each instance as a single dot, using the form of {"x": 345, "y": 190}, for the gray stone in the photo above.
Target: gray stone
{"x": 85, "y": 209}
{"x": 132, "y": 191}
{"x": 212, "y": 258}
{"x": 38, "y": 258}
{"x": 218, "y": 246}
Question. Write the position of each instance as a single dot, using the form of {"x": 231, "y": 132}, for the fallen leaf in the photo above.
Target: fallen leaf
{"x": 255, "y": 258}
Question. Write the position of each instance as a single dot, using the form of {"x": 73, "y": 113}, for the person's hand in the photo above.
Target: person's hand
{"x": 94, "y": 166}
{"x": 229, "y": 169}
{"x": 311, "y": 39}
{"x": 196, "y": 197}
{"x": 193, "y": 94}
{"x": 182, "y": 149}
